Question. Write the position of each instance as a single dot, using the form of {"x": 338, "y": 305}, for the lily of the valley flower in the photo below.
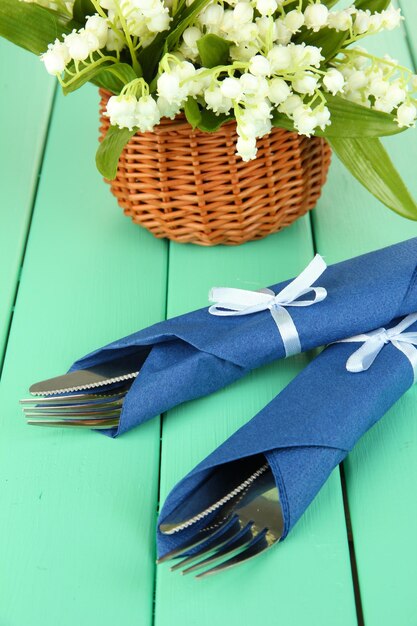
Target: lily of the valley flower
{"x": 267, "y": 70}
{"x": 56, "y": 57}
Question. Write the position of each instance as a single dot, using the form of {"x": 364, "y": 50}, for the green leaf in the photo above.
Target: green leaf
{"x": 116, "y": 76}
{"x": 354, "y": 120}
{"x": 192, "y": 112}
{"x": 31, "y": 26}
{"x": 210, "y": 122}
{"x": 369, "y": 162}
{"x": 110, "y": 149}
{"x": 329, "y": 40}
{"x": 213, "y": 50}
{"x": 150, "y": 56}
{"x": 182, "y": 21}
{"x": 374, "y": 6}
{"x": 349, "y": 120}
{"x": 81, "y": 9}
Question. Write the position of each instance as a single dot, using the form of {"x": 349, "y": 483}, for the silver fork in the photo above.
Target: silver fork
{"x": 88, "y": 410}
{"x": 247, "y": 521}
{"x": 91, "y": 397}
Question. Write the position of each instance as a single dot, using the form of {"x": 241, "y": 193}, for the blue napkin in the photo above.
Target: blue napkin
{"x": 196, "y": 354}
{"x": 304, "y": 433}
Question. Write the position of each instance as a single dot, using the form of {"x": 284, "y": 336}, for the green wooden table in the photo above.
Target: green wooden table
{"x": 78, "y": 510}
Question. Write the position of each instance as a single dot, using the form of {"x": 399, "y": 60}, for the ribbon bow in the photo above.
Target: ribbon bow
{"x": 230, "y": 302}
{"x": 363, "y": 357}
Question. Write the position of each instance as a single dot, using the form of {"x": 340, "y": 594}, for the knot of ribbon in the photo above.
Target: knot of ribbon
{"x": 231, "y": 302}
{"x": 373, "y": 342}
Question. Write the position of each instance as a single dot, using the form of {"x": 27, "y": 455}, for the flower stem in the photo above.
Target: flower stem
{"x": 377, "y": 59}
{"x": 135, "y": 63}
{"x": 86, "y": 69}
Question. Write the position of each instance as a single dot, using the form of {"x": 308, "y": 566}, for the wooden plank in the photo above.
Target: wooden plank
{"x": 381, "y": 472}
{"x": 25, "y": 102}
{"x": 307, "y": 579}
{"x": 77, "y": 509}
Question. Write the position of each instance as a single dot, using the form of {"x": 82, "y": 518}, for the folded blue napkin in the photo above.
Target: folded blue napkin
{"x": 304, "y": 433}
{"x": 196, "y": 354}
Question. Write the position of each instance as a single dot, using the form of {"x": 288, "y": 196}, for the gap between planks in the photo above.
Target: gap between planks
{"x": 27, "y": 231}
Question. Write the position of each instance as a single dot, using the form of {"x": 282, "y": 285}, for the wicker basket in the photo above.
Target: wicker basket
{"x": 190, "y": 186}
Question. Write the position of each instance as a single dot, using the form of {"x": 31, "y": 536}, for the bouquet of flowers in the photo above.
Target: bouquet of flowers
{"x": 286, "y": 63}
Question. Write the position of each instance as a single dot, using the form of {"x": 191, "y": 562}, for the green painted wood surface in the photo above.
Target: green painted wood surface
{"x": 381, "y": 472}
{"x": 26, "y": 95}
{"x": 409, "y": 10}
{"x": 282, "y": 587}
{"x": 77, "y": 509}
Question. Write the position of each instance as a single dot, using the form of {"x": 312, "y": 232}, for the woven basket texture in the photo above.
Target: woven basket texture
{"x": 189, "y": 186}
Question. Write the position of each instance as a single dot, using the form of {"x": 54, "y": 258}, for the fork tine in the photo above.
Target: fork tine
{"x": 74, "y": 398}
{"x": 255, "y": 547}
{"x": 73, "y": 408}
{"x": 195, "y": 541}
{"x": 95, "y": 424}
{"x": 222, "y": 539}
{"x": 72, "y": 414}
{"x": 241, "y": 540}
{"x": 98, "y": 411}
{"x": 114, "y": 412}
{"x": 181, "y": 550}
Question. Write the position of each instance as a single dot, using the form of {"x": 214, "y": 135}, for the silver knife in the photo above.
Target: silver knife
{"x": 115, "y": 371}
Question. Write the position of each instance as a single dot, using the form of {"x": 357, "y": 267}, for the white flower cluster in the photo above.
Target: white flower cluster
{"x": 77, "y": 46}
{"x": 236, "y": 22}
{"x": 367, "y": 23}
{"x": 174, "y": 87}
{"x": 251, "y": 97}
{"x": 127, "y": 111}
{"x": 177, "y": 83}
{"x": 139, "y": 18}
{"x": 269, "y": 72}
{"x": 378, "y": 84}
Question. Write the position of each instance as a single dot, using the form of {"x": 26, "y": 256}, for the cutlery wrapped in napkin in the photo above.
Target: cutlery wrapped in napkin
{"x": 195, "y": 354}
{"x": 303, "y": 434}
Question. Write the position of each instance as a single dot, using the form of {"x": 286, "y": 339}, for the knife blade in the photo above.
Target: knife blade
{"x": 115, "y": 371}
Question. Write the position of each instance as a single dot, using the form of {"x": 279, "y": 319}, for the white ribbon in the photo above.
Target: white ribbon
{"x": 230, "y": 302}
{"x": 363, "y": 357}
